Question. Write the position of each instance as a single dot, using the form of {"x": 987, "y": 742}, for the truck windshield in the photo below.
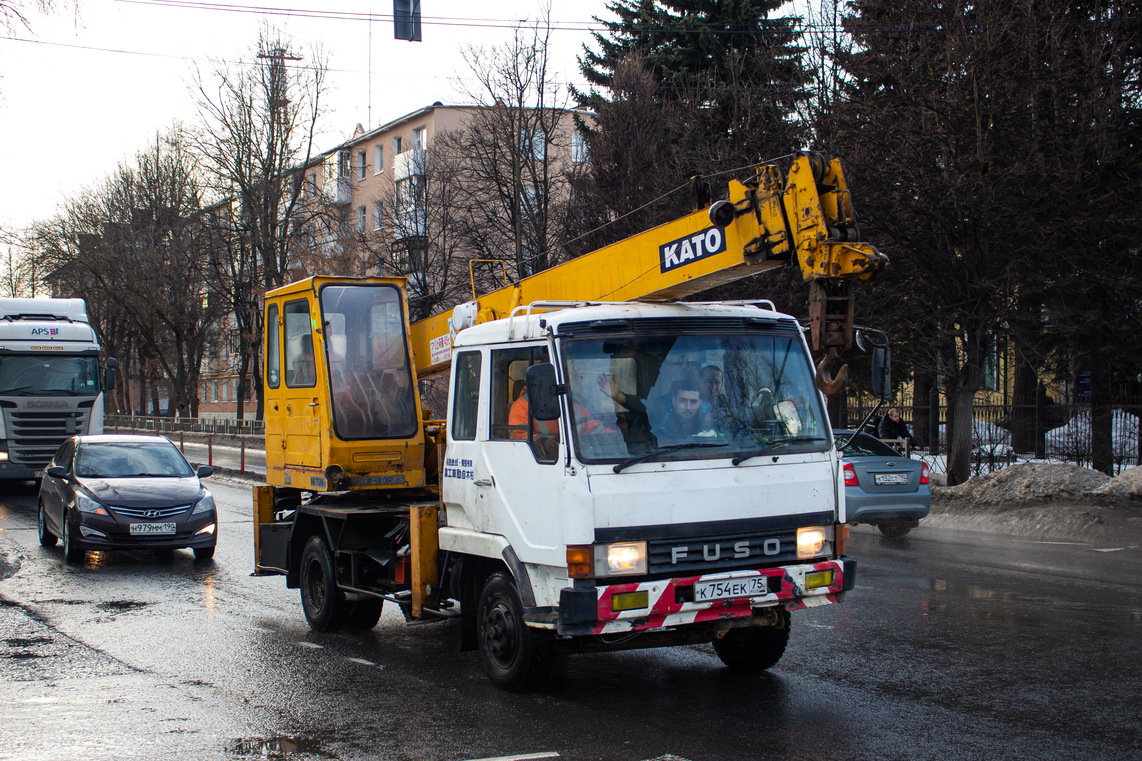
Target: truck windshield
{"x": 689, "y": 397}
{"x": 40, "y": 374}
{"x": 369, "y": 372}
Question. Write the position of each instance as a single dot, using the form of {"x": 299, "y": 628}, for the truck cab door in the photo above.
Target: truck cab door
{"x": 303, "y": 381}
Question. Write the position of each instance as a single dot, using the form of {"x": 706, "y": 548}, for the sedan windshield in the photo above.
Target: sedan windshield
{"x": 671, "y": 397}
{"x": 36, "y": 374}
{"x": 130, "y": 459}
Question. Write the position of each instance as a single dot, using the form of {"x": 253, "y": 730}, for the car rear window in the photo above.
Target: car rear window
{"x": 864, "y": 445}
{"x": 123, "y": 460}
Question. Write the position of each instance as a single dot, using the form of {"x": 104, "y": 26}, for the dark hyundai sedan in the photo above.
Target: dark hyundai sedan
{"x": 105, "y": 492}
{"x": 882, "y": 486}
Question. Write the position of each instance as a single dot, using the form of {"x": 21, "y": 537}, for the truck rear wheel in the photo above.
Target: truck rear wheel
{"x": 515, "y": 656}
{"x": 754, "y": 648}
{"x": 324, "y": 605}
{"x": 364, "y": 614}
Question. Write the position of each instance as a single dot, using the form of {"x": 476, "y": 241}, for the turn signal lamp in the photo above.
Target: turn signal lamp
{"x": 850, "y": 475}
{"x": 810, "y": 541}
{"x": 843, "y": 533}
{"x": 580, "y": 561}
{"x": 923, "y": 473}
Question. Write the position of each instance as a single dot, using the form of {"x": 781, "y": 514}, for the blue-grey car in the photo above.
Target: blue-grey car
{"x": 882, "y": 487}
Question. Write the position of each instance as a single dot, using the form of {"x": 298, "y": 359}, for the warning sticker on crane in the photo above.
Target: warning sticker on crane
{"x": 678, "y": 253}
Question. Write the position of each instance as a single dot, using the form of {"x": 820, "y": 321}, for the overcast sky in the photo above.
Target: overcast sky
{"x": 81, "y": 92}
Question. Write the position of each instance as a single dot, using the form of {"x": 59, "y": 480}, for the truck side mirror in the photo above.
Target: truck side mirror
{"x": 881, "y": 372}
{"x": 109, "y": 373}
{"x": 543, "y": 392}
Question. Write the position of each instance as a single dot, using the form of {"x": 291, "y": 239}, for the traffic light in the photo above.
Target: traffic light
{"x": 406, "y": 20}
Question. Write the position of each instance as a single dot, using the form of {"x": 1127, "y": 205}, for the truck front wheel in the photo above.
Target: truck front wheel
{"x": 324, "y": 605}
{"x": 754, "y": 648}
{"x": 515, "y": 656}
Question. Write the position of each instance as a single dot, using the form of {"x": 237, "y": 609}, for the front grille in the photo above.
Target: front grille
{"x": 141, "y": 512}
{"x": 33, "y": 437}
{"x": 713, "y": 553}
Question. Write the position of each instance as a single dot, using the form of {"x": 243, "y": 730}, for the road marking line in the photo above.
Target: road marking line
{"x": 524, "y": 757}
{"x": 1109, "y": 549}
{"x": 362, "y": 661}
{"x": 312, "y": 645}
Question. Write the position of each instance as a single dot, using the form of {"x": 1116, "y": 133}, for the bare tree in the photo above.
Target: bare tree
{"x": 260, "y": 121}
{"x": 134, "y": 247}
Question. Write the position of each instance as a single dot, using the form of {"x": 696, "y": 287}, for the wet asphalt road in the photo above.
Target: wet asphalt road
{"x": 954, "y": 646}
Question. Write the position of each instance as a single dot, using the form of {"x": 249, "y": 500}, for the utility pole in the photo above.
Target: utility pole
{"x": 279, "y": 100}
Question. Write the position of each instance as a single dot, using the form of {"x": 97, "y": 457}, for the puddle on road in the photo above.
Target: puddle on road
{"x": 121, "y": 606}
{"x": 271, "y": 747}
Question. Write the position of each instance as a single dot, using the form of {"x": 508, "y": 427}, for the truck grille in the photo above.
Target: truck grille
{"x": 33, "y": 437}
{"x": 724, "y": 552}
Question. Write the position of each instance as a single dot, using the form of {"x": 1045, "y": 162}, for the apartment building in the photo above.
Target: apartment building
{"x": 384, "y": 202}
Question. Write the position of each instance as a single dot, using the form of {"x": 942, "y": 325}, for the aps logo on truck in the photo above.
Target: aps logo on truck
{"x": 683, "y": 251}
{"x": 42, "y": 332}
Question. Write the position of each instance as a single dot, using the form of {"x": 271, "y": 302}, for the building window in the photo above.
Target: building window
{"x": 396, "y": 146}
{"x": 214, "y": 385}
{"x": 342, "y": 163}
{"x": 362, "y": 165}
{"x": 533, "y": 146}
{"x": 420, "y": 138}
{"x": 578, "y": 148}
{"x": 378, "y": 215}
{"x": 311, "y": 189}
{"x": 361, "y": 219}
{"x": 379, "y": 158}
{"x": 343, "y": 222}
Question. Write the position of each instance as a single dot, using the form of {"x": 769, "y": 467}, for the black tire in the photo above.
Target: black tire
{"x": 47, "y": 538}
{"x": 72, "y": 552}
{"x": 754, "y": 648}
{"x": 204, "y": 553}
{"x": 515, "y": 656}
{"x": 364, "y": 614}
{"x": 895, "y": 528}
{"x": 324, "y": 604}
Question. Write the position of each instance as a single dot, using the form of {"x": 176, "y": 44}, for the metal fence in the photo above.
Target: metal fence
{"x": 1062, "y": 435}
{"x": 163, "y": 424}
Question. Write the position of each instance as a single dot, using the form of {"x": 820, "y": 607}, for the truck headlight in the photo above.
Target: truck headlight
{"x": 3, "y": 451}
{"x": 811, "y": 540}
{"x": 601, "y": 560}
{"x": 620, "y": 559}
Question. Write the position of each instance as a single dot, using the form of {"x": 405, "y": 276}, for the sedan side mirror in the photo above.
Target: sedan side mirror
{"x": 204, "y": 471}
{"x": 55, "y": 471}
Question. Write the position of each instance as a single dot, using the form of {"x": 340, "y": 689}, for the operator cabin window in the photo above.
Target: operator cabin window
{"x": 466, "y": 403}
{"x": 511, "y": 416}
{"x": 362, "y": 164}
{"x": 378, "y": 158}
{"x": 300, "y": 367}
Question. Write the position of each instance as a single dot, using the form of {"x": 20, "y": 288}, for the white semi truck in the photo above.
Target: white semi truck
{"x": 51, "y": 386}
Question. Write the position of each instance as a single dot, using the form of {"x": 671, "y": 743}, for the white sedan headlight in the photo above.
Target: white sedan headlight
{"x": 205, "y": 505}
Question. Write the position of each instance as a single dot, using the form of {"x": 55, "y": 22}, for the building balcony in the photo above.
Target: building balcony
{"x": 411, "y": 163}
{"x": 339, "y": 191}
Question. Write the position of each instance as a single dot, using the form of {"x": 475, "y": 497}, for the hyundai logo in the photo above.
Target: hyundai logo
{"x": 152, "y": 514}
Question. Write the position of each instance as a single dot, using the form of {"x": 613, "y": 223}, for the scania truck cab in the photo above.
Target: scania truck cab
{"x": 50, "y": 384}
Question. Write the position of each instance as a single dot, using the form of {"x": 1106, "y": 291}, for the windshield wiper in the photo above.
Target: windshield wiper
{"x": 662, "y": 450}
{"x": 15, "y": 390}
{"x": 771, "y": 446}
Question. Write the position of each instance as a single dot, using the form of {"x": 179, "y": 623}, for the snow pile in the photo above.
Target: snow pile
{"x": 1031, "y": 483}
{"x": 1126, "y": 485}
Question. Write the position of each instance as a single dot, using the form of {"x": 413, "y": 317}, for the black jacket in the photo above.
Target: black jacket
{"x": 895, "y": 429}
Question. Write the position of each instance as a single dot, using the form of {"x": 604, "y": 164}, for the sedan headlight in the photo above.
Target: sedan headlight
{"x": 205, "y": 505}
{"x": 86, "y": 504}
